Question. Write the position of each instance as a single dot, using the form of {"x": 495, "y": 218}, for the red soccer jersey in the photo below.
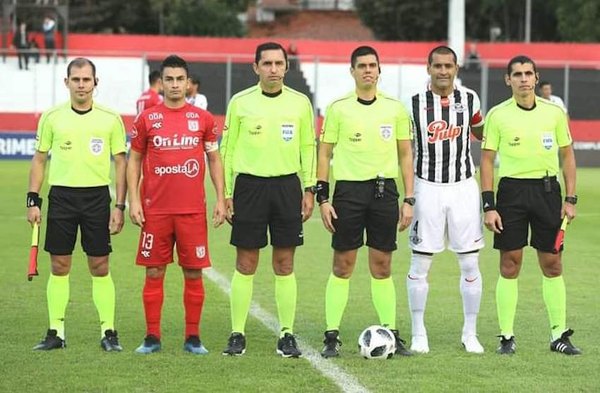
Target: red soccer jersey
{"x": 147, "y": 100}
{"x": 173, "y": 143}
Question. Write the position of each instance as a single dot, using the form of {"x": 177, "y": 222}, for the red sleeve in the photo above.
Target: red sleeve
{"x": 139, "y": 134}
{"x": 211, "y": 133}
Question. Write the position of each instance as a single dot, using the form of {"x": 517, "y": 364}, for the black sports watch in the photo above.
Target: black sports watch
{"x": 120, "y": 206}
{"x": 311, "y": 189}
{"x": 410, "y": 200}
{"x": 571, "y": 199}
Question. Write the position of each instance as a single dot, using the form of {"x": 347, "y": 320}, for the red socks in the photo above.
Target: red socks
{"x": 153, "y": 296}
{"x": 193, "y": 300}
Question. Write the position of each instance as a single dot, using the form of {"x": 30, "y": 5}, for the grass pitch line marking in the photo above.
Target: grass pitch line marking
{"x": 346, "y": 382}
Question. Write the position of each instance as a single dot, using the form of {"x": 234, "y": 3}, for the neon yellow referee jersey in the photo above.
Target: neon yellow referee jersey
{"x": 81, "y": 145}
{"x": 365, "y": 136}
{"x": 527, "y": 141}
{"x": 269, "y": 136}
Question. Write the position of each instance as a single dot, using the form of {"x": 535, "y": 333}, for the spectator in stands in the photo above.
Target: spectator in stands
{"x": 193, "y": 94}
{"x": 34, "y": 51}
{"x": 152, "y": 96}
{"x": 21, "y": 43}
{"x": 546, "y": 92}
{"x": 48, "y": 28}
{"x": 473, "y": 60}
{"x": 293, "y": 57}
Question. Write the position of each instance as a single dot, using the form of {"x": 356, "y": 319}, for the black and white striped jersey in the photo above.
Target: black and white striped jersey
{"x": 441, "y": 127}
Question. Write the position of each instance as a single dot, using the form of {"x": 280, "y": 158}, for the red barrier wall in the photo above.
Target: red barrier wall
{"x": 581, "y": 130}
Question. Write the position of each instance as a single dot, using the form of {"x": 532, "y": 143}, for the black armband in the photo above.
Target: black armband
{"x": 33, "y": 199}
{"x": 487, "y": 198}
{"x": 322, "y": 191}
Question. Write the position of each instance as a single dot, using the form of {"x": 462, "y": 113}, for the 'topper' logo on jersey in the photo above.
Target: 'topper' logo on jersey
{"x": 190, "y": 168}
{"x": 440, "y": 130}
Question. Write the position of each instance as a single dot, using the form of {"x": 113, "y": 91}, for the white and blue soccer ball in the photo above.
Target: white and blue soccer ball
{"x": 377, "y": 342}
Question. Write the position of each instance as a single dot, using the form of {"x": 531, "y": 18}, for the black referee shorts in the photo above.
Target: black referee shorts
{"x": 522, "y": 203}
{"x": 261, "y": 203}
{"x": 87, "y": 208}
{"x": 358, "y": 209}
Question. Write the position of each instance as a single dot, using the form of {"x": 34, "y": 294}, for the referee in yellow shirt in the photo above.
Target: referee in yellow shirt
{"x": 82, "y": 136}
{"x": 528, "y": 133}
{"x": 268, "y": 139}
{"x": 369, "y": 135}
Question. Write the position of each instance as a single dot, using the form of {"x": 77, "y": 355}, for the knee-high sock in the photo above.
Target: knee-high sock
{"x": 241, "y": 296}
{"x": 193, "y": 300}
{"x": 471, "y": 285}
{"x": 57, "y": 293}
{"x": 153, "y": 296}
{"x": 383, "y": 294}
{"x": 103, "y": 293}
{"x": 507, "y": 294}
{"x": 418, "y": 288}
{"x": 555, "y": 298}
{"x": 285, "y": 296}
{"x": 336, "y": 298}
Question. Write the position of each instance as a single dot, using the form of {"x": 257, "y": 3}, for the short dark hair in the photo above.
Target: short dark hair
{"x": 441, "y": 50}
{"x": 269, "y": 46}
{"x": 153, "y": 77}
{"x": 362, "y": 51}
{"x": 173, "y": 61}
{"x": 521, "y": 59}
{"x": 195, "y": 80}
{"x": 544, "y": 83}
{"x": 80, "y": 62}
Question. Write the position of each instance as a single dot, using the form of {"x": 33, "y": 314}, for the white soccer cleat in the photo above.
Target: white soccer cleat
{"x": 419, "y": 344}
{"x": 471, "y": 344}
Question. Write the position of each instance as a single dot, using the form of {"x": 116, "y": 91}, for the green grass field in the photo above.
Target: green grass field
{"x": 83, "y": 367}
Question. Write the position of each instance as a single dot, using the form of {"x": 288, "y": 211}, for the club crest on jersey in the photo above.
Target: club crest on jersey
{"x": 385, "y": 130}
{"x": 193, "y": 125}
{"x": 547, "y": 140}
{"x": 96, "y": 146}
{"x": 200, "y": 252}
{"x": 459, "y": 107}
{"x": 287, "y": 132}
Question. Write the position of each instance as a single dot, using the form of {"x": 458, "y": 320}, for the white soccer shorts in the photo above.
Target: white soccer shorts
{"x": 446, "y": 212}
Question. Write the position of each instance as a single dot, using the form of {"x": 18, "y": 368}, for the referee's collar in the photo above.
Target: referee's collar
{"x": 82, "y": 112}
{"x": 272, "y": 95}
{"x": 366, "y": 102}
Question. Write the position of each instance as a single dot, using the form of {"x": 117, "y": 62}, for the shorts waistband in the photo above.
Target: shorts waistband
{"x": 263, "y": 178}
{"x": 79, "y": 189}
{"x": 527, "y": 181}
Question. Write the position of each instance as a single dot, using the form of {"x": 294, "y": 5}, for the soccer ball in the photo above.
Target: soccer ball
{"x": 377, "y": 342}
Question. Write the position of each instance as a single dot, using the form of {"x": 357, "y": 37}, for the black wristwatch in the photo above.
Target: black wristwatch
{"x": 311, "y": 189}
{"x": 571, "y": 199}
{"x": 120, "y": 206}
{"x": 410, "y": 200}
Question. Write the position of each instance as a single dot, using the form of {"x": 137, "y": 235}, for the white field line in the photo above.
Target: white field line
{"x": 346, "y": 382}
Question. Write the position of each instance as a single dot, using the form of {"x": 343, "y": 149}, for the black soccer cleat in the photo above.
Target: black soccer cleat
{"x": 332, "y": 344}
{"x": 507, "y": 345}
{"x": 110, "y": 341}
{"x": 563, "y": 344}
{"x": 400, "y": 345}
{"x": 236, "y": 345}
{"x": 51, "y": 341}
{"x": 287, "y": 346}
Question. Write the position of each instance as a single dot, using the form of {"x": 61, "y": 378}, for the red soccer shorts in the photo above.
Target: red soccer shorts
{"x": 161, "y": 232}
